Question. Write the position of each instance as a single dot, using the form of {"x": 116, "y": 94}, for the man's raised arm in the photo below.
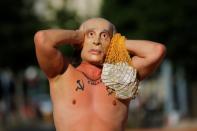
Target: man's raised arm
{"x": 50, "y": 59}
{"x": 147, "y": 56}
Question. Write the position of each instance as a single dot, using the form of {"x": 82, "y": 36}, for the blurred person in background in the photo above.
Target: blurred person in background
{"x": 7, "y": 96}
{"x": 36, "y": 100}
{"x": 30, "y": 90}
{"x": 77, "y": 103}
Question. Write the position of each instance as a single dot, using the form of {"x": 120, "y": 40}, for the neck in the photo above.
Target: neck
{"x": 91, "y": 71}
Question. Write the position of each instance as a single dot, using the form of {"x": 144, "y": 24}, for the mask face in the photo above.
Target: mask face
{"x": 98, "y": 34}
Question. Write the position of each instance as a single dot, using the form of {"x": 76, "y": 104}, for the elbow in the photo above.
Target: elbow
{"x": 152, "y": 61}
{"x": 158, "y": 52}
{"x": 161, "y": 51}
{"x": 39, "y": 37}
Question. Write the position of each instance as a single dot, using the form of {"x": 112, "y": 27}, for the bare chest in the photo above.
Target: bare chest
{"x": 80, "y": 93}
{"x": 76, "y": 99}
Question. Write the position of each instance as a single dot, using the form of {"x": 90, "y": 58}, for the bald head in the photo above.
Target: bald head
{"x": 97, "y": 23}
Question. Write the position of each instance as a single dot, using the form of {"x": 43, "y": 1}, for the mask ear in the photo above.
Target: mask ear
{"x": 114, "y": 29}
{"x": 79, "y": 46}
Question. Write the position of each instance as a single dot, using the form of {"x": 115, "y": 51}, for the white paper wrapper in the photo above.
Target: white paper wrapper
{"x": 122, "y": 78}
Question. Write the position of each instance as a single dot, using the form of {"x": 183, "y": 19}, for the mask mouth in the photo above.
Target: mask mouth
{"x": 95, "y": 51}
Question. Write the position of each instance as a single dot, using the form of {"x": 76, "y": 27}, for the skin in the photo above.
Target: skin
{"x": 79, "y": 104}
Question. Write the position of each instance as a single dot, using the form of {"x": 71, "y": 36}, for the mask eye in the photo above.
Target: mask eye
{"x": 91, "y": 34}
{"x": 104, "y": 35}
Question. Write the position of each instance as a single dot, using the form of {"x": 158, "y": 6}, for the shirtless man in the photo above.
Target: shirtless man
{"x": 80, "y": 100}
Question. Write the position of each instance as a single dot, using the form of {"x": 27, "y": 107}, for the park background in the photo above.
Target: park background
{"x": 166, "y": 99}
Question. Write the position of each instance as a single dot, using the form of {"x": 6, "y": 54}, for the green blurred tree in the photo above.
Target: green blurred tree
{"x": 18, "y": 24}
{"x": 172, "y": 22}
{"x": 65, "y": 19}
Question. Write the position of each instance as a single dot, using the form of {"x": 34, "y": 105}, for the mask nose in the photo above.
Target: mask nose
{"x": 97, "y": 41}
